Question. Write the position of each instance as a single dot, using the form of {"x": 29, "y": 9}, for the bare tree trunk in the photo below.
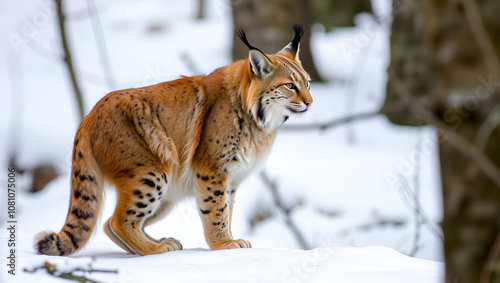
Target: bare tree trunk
{"x": 448, "y": 61}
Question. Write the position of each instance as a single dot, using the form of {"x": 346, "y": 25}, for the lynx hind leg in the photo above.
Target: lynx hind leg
{"x": 139, "y": 198}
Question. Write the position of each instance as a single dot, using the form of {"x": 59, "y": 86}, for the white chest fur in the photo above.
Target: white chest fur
{"x": 244, "y": 163}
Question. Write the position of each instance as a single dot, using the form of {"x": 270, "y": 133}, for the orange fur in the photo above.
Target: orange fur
{"x": 196, "y": 136}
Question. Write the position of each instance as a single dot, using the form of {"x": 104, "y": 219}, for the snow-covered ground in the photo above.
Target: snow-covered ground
{"x": 345, "y": 183}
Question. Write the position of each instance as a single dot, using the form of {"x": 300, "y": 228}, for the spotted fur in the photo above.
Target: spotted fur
{"x": 196, "y": 136}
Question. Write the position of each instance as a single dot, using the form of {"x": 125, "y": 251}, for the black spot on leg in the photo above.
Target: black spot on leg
{"x": 216, "y": 223}
{"x": 140, "y": 214}
{"x": 130, "y": 211}
{"x": 204, "y": 178}
{"x": 80, "y": 154}
{"x": 152, "y": 174}
{"x": 218, "y": 192}
{"x": 148, "y": 182}
{"x": 158, "y": 188}
{"x": 89, "y": 198}
{"x": 204, "y": 211}
{"x": 149, "y": 195}
{"x": 70, "y": 226}
{"x": 85, "y": 228}
{"x": 140, "y": 204}
{"x": 77, "y": 194}
{"x": 136, "y": 192}
{"x": 76, "y": 142}
{"x": 208, "y": 188}
{"x": 222, "y": 208}
{"x": 152, "y": 200}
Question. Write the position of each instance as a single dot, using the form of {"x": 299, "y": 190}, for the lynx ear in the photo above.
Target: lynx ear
{"x": 292, "y": 49}
{"x": 260, "y": 65}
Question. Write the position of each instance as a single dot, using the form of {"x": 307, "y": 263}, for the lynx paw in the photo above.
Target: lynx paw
{"x": 170, "y": 244}
{"x": 232, "y": 244}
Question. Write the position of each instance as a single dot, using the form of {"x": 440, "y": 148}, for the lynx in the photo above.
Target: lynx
{"x": 196, "y": 136}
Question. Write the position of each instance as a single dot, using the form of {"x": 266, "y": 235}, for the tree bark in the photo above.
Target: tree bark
{"x": 447, "y": 57}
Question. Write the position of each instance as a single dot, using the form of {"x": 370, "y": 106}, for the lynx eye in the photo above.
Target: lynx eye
{"x": 290, "y": 86}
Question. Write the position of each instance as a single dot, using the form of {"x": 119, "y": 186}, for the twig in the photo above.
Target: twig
{"x": 408, "y": 198}
{"x": 453, "y": 138}
{"x": 379, "y": 222}
{"x": 487, "y": 127}
{"x": 330, "y": 124}
{"x": 67, "y": 58}
{"x": 416, "y": 196}
{"x": 190, "y": 64}
{"x": 52, "y": 270}
{"x": 101, "y": 43}
{"x": 489, "y": 265}
{"x": 285, "y": 210}
{"x": 485, "y": 44}
{"x": 478, "y": 31}
{"x": 388, "y": 108}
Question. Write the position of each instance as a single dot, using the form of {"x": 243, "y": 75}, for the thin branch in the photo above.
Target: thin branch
{"x": 101, "y": 43}
{"x": 190, "y": 64}
{"x": 484, "y": 132}
{"x": 408, "y": 199}
{"x": 453, "y": 138}
{"x": 52, "y": 270}
{"x": 489, "y": 265}
{"x": 416, "y": 195}
{"x": 285, "y": 210}
{"x": 388, "y": 108}
{"x": 67, "y": 59}
{"x": 330, "y": 124}
{"x": 478, "y": 31}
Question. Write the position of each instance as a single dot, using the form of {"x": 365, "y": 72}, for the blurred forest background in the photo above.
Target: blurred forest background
{"x": 437, "y": 80}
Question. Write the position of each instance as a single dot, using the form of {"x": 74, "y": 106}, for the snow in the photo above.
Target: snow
{"x": 344, "y": 183}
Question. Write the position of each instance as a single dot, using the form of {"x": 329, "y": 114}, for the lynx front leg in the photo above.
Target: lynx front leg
{"x": 215, "y": 201}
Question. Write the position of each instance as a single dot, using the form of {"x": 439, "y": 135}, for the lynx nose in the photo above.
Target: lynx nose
{"x": 308, "y": 103}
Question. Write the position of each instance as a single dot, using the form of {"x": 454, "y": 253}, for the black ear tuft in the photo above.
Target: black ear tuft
{"x": 243, "y": 37}
{"x": 299, "y": 31}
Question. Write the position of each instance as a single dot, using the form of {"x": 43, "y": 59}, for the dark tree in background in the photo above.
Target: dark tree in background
{"x": 444, "y": 55}
{"x": 267, "y": 23}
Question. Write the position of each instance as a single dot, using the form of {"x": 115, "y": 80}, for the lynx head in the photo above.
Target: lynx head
{"x": 276, "y": 84}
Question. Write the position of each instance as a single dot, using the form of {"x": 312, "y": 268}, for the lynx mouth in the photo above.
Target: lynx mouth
{"x": 297, "y": 111}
